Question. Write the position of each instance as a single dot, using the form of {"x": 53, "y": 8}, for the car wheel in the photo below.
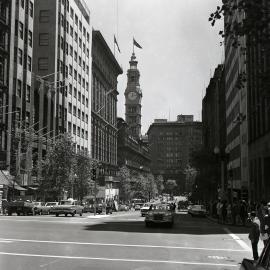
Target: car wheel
{"x": 73, "y": 214}
{"x": 56, "y": 215}
{"x": 81, "y": 213}
{"x": 66, "y": 215}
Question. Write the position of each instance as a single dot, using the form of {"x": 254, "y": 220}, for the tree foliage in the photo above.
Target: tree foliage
{"x": 170, "y": 185}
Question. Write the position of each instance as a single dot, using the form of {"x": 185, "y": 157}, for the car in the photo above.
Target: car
{"x": 66, "y": 207}
{"x": 263, "y": 263}
{"x": 197, "y": 210}
{"x": 145, "y": 208}
{"x": 159, "y": 214}
{"x": 137, "y": 207}
{"x": 38, "y": 207}
{"x": 47, "y": 207}
{"x": 123, "y": 207}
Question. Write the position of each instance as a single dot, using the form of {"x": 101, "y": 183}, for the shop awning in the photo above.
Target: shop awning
{"x": 9, "y": 181}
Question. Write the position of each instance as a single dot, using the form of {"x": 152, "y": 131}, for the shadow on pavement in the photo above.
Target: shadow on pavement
{"x": 184, "y": 224}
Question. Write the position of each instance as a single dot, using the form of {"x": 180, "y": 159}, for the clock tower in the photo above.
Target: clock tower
{"x": 133, "y": 96}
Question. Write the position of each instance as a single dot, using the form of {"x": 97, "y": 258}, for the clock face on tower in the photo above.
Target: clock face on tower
{"x": 132, "y": 95}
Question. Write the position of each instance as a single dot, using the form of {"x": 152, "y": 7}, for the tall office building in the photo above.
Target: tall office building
{"x": 62, "y": 69}
{"x": 171, "y": 144}
{"x": 20, "y": 87}
{"x": 236, "y": 112}
{"x": 4, "y": 55}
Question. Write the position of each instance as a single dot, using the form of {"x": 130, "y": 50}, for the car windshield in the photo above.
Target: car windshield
{"x": 161, "y": 207}
{"x": 37, "y": 203}
{"x": 66, "y": 202}
{"x": 147, "y": 205}
{"x": 199, "y": 207}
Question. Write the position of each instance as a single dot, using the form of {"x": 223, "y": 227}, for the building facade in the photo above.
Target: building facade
{"x": 62, "y": 71}
{"x": 105, "y": 70}
{"x": 132, "y": 152}
{"x": 20, "y": 102}
{"x": 4, "y": 73}
{"x": 258, "y": 67}
{"x": 133, "y": 95}
{"x": 171, "y": 144}
{"x": 236, "y": 112}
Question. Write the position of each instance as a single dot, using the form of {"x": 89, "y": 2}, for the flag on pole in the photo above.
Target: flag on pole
{"x": 115, "y": 42}
{"x": 136, "y": 43}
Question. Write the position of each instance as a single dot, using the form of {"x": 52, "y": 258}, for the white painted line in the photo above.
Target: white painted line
{"x": 121, "y": 245}
{"x": 243, "y": 244}
{"x": 67, "y": 221}
{"x": 117, "y": 259}
{"x": 5, "y": 241}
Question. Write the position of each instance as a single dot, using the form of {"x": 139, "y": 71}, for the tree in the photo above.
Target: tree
{"x": 160, "y": 184}
{"x": 57, "y": 168}
{"x": 82, "y": 181}
{"x": 170, "y": 186}
{"x": 124, "y": 184}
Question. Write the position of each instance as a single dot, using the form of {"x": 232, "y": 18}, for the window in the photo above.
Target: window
{"x": 16, "y": 27}
{"x": 28, "y": 93}
{"x": 74, "y": 110}
{"x": 44, "y": 16}
{"x": 80, "y": 42}
{"x": 87, "y": 69}
{"x": 74, "y": 129}
{"x": 84, "y": 47}
{"x": 62, "y": 43}
{"x": 87, "y": 52}
{"x": 87, "y": 86}
{"x": 83, "y": 83}
{"x": 69, "y": 127}
{"x": 82, "y": 116}
{"x": 67, "y": 27}
{"x": 70, "y": 89}
{"x": 79, "y": 78}
{"x": 76, "y": 37}
{"x": 80, "y": 25}
{"x": 86, "y": 135}
{"x": 76, "y": 19}
{"x": 19, "y": 88}
{"x": 79, "y": 96}
{"x": 75, "y": 92}
{"x": 75, "y": 56}
{"x": 78, "y": 131}
{"x": 71, "y": 13}
{"x": 71, "y": 31}
{"x": 62, "y": 20}
{"x": 43, "y": 39}
{"x": 30, "y": 38}
{"x": 86, "y": 102}
{"x": 31, "y": 8}
{"x": 82, "y": 133}
{"x": 79, "y": 113}
{"x": 87, "y": 37}
{"x": 83, "y": 99}
{"x": 21, "y": 30}
{"x": 84, "y": 31}
{"x": 29, "y": 63}
{"x": 43, "y": 63}
{"x": 86, "y": 118}
{"x": 71, "y": 51}
{"x": 69, "y": 107}
{"x": 80, "y": 61}
{"x": 70, "y": 70}
{"x": 22, "y": 3}
{"x": 20, "y": 56}
{"x": 75, "y": 74}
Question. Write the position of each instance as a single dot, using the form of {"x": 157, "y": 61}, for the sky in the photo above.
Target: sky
{"x": 180, "y": 51}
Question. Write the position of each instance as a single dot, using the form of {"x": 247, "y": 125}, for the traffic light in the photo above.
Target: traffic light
{"x": 94, "y": 174}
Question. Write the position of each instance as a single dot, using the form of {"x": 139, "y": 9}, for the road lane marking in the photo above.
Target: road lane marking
{"x": 5, "y": 241}
{"x": 116, "y": 259}
{"x": 243, "y": 244}
{"x": 67, "y": 221}
{"x": 121, "y": 245}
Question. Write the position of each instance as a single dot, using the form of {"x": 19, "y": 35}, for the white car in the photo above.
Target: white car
{"x": 145, "y": 208}
{"x": 66, "y": 207}
{"x": 197, "y": 210}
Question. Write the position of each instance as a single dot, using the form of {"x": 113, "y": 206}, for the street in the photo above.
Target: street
{"x": 120, "y": 241}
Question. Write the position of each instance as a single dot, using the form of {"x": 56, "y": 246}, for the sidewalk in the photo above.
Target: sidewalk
{"x": 228, "y": 224}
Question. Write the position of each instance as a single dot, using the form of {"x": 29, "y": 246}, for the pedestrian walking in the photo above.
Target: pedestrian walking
{"x": 224, "y": 212}
{"x": 219, "y": 211}
{"x": 229, "y": 213}
{"x": 265, "y": 234}
{"x": 243, "y": 213}
{"x": 254, "y": 234}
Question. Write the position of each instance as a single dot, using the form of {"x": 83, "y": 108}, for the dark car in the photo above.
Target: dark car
{"x": 263, "y": 262}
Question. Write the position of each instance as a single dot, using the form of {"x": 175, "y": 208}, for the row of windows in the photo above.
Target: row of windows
{"x": 81, "y": 97}
{"x": 18, "y": 58}
{"x": 28, "y": 5}
{"x": 80, "y": 114}
{"x": 78, "y": 131}
{"x": 22, "y": 33}
{"x": 18, "y": 87}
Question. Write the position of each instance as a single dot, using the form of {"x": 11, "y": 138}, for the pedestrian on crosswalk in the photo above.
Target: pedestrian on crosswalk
{"x": 254, "y": 234}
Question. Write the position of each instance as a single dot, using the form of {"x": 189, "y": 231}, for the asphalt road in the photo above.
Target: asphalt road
{"x": 120, "y": 241}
